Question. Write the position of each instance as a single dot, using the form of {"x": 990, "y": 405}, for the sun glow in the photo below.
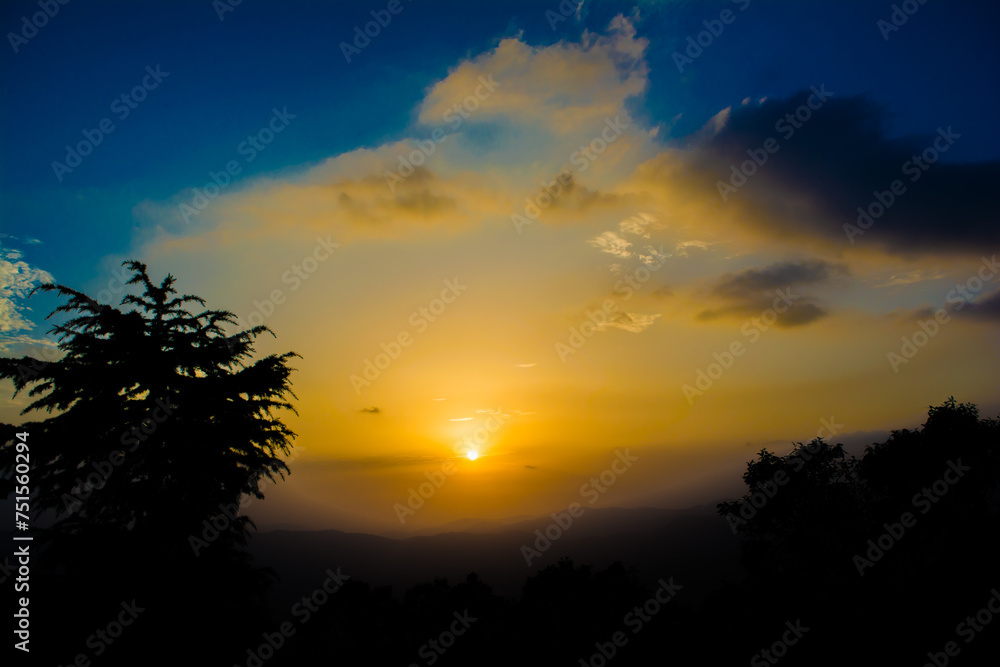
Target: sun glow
{"x": 473, "y": 455}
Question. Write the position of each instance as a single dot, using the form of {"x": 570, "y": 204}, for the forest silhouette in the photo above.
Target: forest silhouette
{"x": 159, "y": 424}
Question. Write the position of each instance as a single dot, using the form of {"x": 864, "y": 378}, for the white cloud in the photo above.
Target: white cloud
{"x": 613, "y": 244}
{"x": 17, "y": 279}
{"x": 639, "y": 225}
{"x": 634, "y": 322}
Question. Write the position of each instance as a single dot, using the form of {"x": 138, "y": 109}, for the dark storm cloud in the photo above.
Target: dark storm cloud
{"x": 987, "y": 309}
{"x": 752, "y": 282}
{"x": 752, "y": 291}
{"x": 837, "y": 159}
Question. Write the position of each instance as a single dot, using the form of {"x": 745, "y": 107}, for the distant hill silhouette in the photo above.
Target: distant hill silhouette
{"x": 696, "y": 542}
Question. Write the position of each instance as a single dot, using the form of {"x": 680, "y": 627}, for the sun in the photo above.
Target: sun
{"x": 473, "y": 455}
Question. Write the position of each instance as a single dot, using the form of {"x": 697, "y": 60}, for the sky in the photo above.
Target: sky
{"x": 551, "y": 234}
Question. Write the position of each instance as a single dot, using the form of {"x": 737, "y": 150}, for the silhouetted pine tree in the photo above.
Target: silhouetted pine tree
{"x": 157, "y": 421}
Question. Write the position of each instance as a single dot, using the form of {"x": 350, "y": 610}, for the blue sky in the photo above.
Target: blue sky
{"x": 652, "y": 199}
{"x": 225, "y": 76}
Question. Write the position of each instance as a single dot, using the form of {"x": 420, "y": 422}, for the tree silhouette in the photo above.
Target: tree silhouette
{"x": 159, "y": 423}
{"x": 844, "y": 542}
{"x": 796, "y": 506}
{"x": 157, "y": 419}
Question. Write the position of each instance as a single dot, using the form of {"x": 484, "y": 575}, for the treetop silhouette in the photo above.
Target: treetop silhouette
{"x": 157, "y": 416}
